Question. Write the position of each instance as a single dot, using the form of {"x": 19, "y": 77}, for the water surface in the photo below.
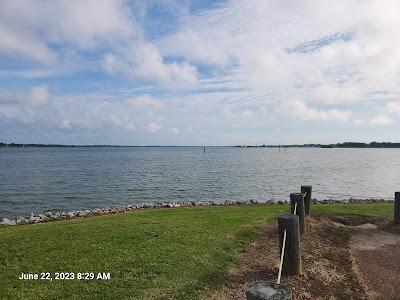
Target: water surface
{"x": 63, "y": 179}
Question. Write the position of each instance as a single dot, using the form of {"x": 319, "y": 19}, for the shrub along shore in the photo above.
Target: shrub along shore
{"x": 54, "y": 216}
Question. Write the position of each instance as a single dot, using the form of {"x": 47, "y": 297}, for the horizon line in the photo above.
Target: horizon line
{"x": 13, "y": 144}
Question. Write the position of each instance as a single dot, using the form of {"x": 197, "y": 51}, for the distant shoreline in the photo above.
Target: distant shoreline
{"x": 337, "y": 145}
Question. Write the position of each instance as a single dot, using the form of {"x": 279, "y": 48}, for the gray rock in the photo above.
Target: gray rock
{"x": 268, "y": 291}
{"x": 43, "y": 217}
{"x": 33, "y": 219}
{"x": 81, "y": 214}
{"x": 8, "y": 222}
{"x": 21, "y": 221}
{"x": 96, "y": 211}
{"x": 121, "y": 209}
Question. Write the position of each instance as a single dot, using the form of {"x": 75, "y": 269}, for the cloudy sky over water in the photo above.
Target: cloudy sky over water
{"x": 164, "y": 72}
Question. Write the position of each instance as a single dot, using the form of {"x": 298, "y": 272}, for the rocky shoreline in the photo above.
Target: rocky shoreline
{"x": 54, "y": 216}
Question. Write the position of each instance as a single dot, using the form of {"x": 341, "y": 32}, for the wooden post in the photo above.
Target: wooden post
{"x": 397, "y": 207}
{"x": 268, "y": 291}
{"x": 291, "y": 258}
{"x": 307, "y": 198}
{"x": 299, "y": 199}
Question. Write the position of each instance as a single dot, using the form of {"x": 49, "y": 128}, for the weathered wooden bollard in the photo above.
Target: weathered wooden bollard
{"x": 267, "y": 291}
{"x": 397, "y": 207}
{"x": 291, "y": 259}
{"x": 307, "y": 190}
{"x": 299, "y": 199}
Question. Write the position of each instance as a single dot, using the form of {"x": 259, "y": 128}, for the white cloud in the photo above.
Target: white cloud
{"x": 332, "y": 94}
{"x": 27, "y": 27}
{"x": 174, "y": 130}
{"x": 345, "y": 59}
{"x": 30, "y": 29}
{"x": 82, "y": 111}
{"x": 382, "y": 120}
{"x": 24, "y": 46}
{"x": 154, "y": 127}
{"x": 393, "y": 107}
{"x": 144, "y": 61}
{"x": 35, "y": 97}
{"x": 301, "y": 111}
{"x": 23, "y": 106}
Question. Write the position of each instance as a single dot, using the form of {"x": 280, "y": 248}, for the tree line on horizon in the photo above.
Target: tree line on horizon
{"x": 337, "y": 145}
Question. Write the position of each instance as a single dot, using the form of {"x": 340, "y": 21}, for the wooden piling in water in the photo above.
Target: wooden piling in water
{"x": 397, "y": 207}
{"x": 299, "y": 199}
{"x": 307, "y": 190}
{"x": 291, "y": 259}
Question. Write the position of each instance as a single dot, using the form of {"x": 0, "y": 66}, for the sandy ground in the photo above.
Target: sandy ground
{"x": 340, "y": 260}
{"x": 376, "y": 252}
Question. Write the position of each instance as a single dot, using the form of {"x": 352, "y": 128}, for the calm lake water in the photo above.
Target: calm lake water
{"x": 63, "y": 179}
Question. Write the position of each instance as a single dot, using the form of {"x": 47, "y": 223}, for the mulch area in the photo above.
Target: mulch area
{"x": 331, "y": 267}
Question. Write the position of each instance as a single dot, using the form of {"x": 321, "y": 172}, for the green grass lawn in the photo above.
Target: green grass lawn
{"x": 151, "y": 254}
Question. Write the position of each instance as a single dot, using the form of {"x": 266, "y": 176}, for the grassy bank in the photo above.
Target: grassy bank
{"x": 167, "y": 253}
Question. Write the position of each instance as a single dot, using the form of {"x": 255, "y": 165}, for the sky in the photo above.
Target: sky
{"x": 165, "y": 72}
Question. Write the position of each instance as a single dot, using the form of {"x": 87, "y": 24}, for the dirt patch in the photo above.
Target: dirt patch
{"x": 376, "y": 252}
{"x": 327, "y": 266}
{"x": 355, "y": 220}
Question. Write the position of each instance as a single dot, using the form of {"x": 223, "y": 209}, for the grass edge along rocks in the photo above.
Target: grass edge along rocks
{"x": 48, "y": 216}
